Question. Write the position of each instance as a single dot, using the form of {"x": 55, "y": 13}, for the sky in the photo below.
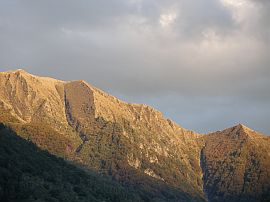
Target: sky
{"x": 204, "y": 63}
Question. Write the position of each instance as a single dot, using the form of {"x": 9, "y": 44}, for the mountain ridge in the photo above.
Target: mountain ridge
{"x": 131, "y": 142}
{"x": 98, "y": 93}
{"x": 103, "y": 93}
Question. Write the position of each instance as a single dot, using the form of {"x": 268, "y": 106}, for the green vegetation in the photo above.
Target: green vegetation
{"x": 107, "y": 149}
{"x": 30, "y": 174}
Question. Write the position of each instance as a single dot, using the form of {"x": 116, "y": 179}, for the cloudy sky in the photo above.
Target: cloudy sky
{"x": 203, "y": 63}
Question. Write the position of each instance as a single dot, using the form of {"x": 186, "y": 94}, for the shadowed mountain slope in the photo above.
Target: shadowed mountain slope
{"x": 30, "y": 174}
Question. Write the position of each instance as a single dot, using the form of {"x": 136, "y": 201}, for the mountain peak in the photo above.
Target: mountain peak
{"x": 35, "y": 95}
{"x": 238, "y": 131}
{"x": 20, "y": 70}
{"x": 247, "y": 131}
{"x": 16, "y": 71}
{"x": 243, "y": 127}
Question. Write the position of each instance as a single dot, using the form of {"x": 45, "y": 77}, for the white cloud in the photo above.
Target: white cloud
{"x": 243, "y": 10}
{"x": 167, "y": 19}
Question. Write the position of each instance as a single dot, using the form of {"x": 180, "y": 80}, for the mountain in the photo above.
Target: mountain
{"x": 236, "y": 165}
{"x": 134, "y": 143}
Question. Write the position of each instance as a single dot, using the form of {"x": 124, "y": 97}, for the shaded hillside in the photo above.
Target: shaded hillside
{"x": 236, "y": 165}
{"x": 30, "y": 174}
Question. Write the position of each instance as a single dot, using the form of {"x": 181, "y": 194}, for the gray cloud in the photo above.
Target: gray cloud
{"x": 203, "y": 63}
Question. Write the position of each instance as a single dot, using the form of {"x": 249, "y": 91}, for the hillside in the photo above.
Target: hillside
{"x": 236, "y": 165}
{"x": 134, "y": 143}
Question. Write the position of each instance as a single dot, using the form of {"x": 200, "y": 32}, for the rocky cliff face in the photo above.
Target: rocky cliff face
{"x": 133, "y": 143}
